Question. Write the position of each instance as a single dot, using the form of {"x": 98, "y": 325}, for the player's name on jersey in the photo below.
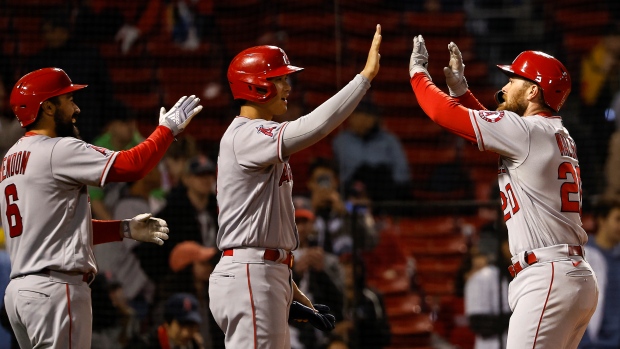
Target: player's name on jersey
{"x": 14, "y": 164}
{"x": 566, "y": 145}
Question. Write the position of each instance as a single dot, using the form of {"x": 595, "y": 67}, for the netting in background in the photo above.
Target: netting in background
{"x": 427, "y": 224}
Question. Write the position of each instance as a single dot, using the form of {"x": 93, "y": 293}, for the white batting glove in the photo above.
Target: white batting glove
{"x": 144, "y": 227}
{"x": 418, "y": 62}
{"x": 177, "y": 118}
{"x": 455, "y": 72}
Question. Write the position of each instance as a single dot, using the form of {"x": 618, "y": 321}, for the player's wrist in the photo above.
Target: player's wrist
{"x": 125, "y": 229}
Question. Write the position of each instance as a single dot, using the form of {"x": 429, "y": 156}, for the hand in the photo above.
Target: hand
{"x": 144, "y": 227}
{"x": 177, "y": 118}
{"x": 418, "y": 62}
{"x": 319, "y": 318}
{"x": 372, "y": 63}
{"x": 455, "y": 72}
{"x": 127, "y": 35}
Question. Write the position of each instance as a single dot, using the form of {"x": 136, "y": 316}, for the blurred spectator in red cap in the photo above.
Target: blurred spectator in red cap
{"x": 190, "y": 252}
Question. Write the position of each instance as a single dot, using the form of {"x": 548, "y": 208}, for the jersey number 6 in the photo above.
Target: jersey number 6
{"x": 13, "y": 216}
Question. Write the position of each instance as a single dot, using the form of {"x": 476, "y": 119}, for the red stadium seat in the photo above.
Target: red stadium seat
{"x": 411, "y": 128}
{"x": 430, "y": 156}
{"x": 363, "y": 23}
{"x": 434, "y": 23}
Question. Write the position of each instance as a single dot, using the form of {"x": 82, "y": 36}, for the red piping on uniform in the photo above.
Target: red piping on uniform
{"x": 69, "y": 310}
{"x": 545, "y": 307}
{"x": 480, "y": 133}
{"x": 281, "y": 159}
{"x": 252, "y": 303}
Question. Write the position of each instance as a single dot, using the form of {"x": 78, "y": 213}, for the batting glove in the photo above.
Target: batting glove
{"x": 455, "y": 72}
{"x": 418, "y": 62}
{"x": 320, "y": 319}
{"x": 144, "y": 227}
{"x": 177, "y": 118}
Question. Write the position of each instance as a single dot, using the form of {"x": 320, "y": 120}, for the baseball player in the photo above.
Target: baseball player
{"x": 46, "y": 212}
{"x": 251, "y": 287}
{"x": 554, "y": 292}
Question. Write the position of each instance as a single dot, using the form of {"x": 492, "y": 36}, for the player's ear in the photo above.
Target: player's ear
{"x": 48, "y": 107}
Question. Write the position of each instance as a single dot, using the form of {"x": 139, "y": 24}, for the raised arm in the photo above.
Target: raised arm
{"x": 311, "y": 128}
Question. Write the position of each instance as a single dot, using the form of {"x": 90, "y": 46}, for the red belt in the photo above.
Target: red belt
{"x": 530, "y": 258}
{"x": 271, "y": 255}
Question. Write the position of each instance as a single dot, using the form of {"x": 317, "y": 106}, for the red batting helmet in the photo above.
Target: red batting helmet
{"x": 35, "y": 88}
{"x": 544, "y": 70}
{"x": 249, "y": 70}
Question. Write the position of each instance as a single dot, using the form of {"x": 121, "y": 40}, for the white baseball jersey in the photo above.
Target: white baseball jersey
{"x": 539, "y": 177}
{"x": 254, "y": 187}
{"x": 45, "y": 207}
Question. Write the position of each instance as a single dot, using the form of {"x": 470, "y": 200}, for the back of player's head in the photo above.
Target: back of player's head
{"x": 249, "y": 71}
{"x": 545, "y": 71}
{"x": 34, "y": 88}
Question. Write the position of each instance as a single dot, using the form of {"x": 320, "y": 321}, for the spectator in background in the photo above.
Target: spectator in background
{"x": 175, "y": 161}
{"x": 114, "y": 323}
{"x": 189, "y": 212}
{"x": 125, "y": 22}
{"x": 603, "y": 251}
{"x": 191, "y": 265}
{"x": 334, "y": 218}
{"x": 181, "y": 326}
{"x": 118, "y": 258}
{"x": 120, "y": 134}
{"x": 600, "y": 81}
{"x": 82, "y": 63}
{"x": 365, "y": 324}
{"x": 318, "y": 275}
{"x": 486, "y": 295}
{"x": 366, "y": 151}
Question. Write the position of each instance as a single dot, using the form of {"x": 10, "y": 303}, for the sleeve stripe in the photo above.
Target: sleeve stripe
{"x": 106, "y": 169}
{"x": 280, "y": 157}
{"x": 478, "y": 132}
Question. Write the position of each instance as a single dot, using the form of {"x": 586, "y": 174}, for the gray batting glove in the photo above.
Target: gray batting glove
{"x": 419, "y": 58}
{"x": 177, "y": 118}
{"x": 144, "y": 227}
{"x": 455, "y": 72}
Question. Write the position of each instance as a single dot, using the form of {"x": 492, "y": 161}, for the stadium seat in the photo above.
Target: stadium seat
{"x": 360, "y": 22}
{"x": 578, "y": 21}
{"x": 411, "y": 128}
{"x": 430, "y": 155}
{"x": 434, "y": 23}
{"x": 428, "y": 226}
{"x": 453, "y": 244}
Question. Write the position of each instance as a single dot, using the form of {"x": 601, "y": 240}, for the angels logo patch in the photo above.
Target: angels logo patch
{"x": 491, "y": 116}
{"x": 266, "y": 131}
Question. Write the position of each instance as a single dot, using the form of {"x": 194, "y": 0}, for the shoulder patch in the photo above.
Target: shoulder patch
{"x": 103, "y": 151}
{"x": 491, "y": 116}
{"x": 266, "y": 131}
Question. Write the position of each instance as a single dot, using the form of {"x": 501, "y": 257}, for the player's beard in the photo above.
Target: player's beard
{"x": 517, "y": 104}
{"x": 65, "y": 128}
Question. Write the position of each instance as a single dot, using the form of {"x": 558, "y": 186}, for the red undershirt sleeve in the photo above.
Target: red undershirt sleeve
{"x": 441, "y": 108}
{"x": 106, "y": 231}
{"x": 469, "y": 101}
{"x": 133, "y": 164}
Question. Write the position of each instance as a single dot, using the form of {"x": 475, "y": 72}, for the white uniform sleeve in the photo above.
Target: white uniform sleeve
{"x": 76, "y": 162}
{"x": 311, "y": 128}
{"x": 502, "y": 132}
{"x": 258, "y": 143}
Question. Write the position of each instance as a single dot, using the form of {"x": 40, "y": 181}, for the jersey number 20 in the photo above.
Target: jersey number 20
{"x": 568, "y": 188}
{"x": 13, "y": 216}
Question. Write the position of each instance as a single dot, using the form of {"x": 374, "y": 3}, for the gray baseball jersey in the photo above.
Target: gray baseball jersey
{"x": 45, "y": 206}
{"x": 539, "y": 177}
{"x": 255, "y": 195}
